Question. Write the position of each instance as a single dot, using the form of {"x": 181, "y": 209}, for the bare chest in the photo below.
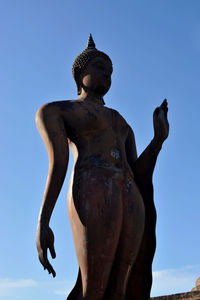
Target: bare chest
{"x": 89, "y": 120}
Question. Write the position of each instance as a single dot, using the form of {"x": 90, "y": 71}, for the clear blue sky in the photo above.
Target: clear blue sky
{"x": 155, "y": 48}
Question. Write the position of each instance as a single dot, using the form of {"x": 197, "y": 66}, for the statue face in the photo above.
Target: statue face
{"x": 96, "y": 76}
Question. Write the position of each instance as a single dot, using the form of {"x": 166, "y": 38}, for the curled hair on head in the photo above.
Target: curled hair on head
{"x": 82, "y": 59}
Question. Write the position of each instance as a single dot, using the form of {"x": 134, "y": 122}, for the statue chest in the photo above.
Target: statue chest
{"x": 89, "y": 121}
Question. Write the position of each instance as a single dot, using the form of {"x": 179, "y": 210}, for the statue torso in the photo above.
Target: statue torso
{"x": 98, "y": 132}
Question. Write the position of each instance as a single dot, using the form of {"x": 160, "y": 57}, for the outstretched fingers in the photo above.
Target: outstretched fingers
{"x": 164, "y": 107}
{"x": 160, "y": 121}
{"x": 45, "y": 262}
{"x": 45, "y": 241}
{"x": 52, "y": 251}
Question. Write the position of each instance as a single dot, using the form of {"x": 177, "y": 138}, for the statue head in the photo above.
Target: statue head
{"x": 84, "y": 58}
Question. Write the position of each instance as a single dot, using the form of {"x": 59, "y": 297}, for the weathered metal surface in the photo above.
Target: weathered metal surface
{"x": 110, "y": 199}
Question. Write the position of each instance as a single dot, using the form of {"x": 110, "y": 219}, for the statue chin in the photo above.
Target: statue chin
{"x": 101, "y": 90}
{"x": 98, "y": 90}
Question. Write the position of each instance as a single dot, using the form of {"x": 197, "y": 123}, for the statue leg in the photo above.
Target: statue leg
{"x": 139, "y": 285}
{"x": 129, "y": 243}
{"x": 140, "y": 281}
{"x": 76, "y": 293}
{"x": 95, "y": 214}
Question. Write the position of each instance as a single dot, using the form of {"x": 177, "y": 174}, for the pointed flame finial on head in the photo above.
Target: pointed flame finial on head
{"x": 91, "y": 43}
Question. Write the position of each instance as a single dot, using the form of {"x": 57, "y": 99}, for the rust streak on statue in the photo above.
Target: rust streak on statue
{"x": 110, "y": 199}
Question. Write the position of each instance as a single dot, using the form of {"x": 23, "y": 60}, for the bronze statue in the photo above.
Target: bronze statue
{"x": 110, "y": 199}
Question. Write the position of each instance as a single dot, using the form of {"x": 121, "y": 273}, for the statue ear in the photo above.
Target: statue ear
{"x": 79, "y": 86}
{"x": 78, "y": 80}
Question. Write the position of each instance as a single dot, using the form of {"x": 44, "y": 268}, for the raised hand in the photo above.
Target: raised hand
{"x": 44, "y": 241}
{"x": 160, "y": 122}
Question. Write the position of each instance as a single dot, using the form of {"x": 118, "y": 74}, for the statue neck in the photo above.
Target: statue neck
{"x": 88, "y": 96}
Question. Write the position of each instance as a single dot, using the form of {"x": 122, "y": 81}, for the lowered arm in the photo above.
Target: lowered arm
{"x": 51, "y": 128}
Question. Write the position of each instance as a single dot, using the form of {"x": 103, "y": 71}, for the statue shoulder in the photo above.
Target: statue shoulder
{"x": 62, "y": 104}
{"x": 55, "y": 108}
{"x": 119, "y": 117}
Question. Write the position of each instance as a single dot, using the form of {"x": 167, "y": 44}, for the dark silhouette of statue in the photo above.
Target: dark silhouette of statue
{"x": 110, "y": 199}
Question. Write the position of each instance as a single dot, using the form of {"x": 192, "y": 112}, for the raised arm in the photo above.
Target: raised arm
{"x": 51, "y": 128}
{"x": 144, "y": 165}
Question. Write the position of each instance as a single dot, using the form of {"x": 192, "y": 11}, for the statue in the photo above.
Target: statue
{"x": 110, "y": 199}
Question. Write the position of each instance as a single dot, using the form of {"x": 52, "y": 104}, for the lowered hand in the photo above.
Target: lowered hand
{"x": 44, "y": 241}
